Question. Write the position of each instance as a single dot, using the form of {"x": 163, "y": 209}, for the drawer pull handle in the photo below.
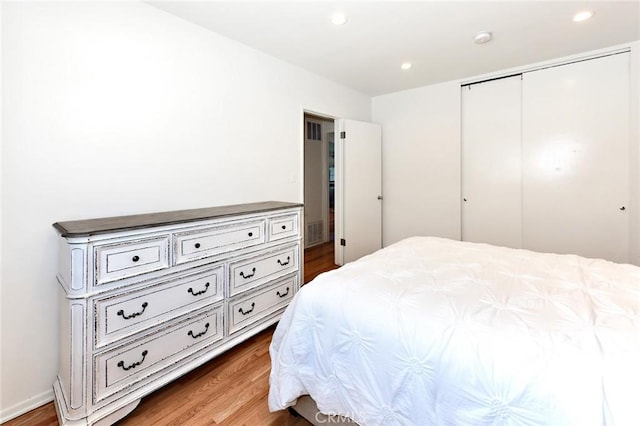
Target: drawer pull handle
{"x": 285, "y": 263}
{"x": 135, "y": 364}
{"x": 284, "y": 226}
{"x": 253, "y": 272}
{"x": 133, "y": 315}
{"x": 198, "y": 293}
{"x": 243, "y": 312}
{"x": 197, "y": 245}
{"x": 195, "y": 336}
{"x": 283, "y": 294}
{"x": 251, "y": 234}
{"x": 135, "y": 258}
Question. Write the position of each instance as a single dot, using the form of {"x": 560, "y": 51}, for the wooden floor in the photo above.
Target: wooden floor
{"x": 318, "y": 259}
{"x": 231, "y": 389}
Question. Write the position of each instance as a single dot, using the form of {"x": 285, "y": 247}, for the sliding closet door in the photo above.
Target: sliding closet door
{"x": 491, "y": 162}
{"x": 576, "y": 158}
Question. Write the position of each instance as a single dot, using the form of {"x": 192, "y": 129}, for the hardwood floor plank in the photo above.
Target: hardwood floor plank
{"x": 41, "y": 416}
{"x": 229, "y": 390}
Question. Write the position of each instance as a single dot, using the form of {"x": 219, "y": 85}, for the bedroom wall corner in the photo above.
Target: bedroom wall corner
{"x": 116, "y": 108}
{"x": 1, "y": 185}
{"x": 421, "y": 161}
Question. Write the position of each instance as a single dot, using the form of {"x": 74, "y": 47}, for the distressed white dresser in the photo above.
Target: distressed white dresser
{"x": 147, "y": 298}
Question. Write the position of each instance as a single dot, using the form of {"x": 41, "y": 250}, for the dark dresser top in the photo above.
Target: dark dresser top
{"x": 85, "y": 228}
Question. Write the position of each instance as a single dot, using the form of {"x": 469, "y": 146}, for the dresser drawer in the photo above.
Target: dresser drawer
{"x": 193, "y": 245}
{"x": 283, "y": 227}
{"x": 130, "y": 258}
{"x": 251, "y": 308}
{"x": 125, "y": 314}
{"x": 250, "y": 273}
{"x": 125, "y": 366}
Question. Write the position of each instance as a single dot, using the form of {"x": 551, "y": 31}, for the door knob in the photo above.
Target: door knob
{"x": 623, "y": 208}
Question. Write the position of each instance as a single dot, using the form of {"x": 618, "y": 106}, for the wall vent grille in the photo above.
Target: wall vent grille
{"x": 314, "y": 234}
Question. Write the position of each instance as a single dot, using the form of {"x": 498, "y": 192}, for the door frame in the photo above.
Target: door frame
{"x": 324, "y": 151}
{"x": 337, "y": 176}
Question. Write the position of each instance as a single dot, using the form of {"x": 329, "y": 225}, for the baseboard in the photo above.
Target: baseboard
{"x": 26, "y": 406}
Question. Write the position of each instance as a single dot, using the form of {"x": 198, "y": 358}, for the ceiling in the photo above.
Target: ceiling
{"x": 435, "y": 36}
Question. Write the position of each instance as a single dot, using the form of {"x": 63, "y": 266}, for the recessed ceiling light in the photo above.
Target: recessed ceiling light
{"x": 406, "y": 65}
{"x": 482, "y": 37}
{"x": 338, "y": 19}
{"x": 582, "y": 16}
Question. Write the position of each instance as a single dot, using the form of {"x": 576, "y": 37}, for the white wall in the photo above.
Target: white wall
{"x": 1, "y": 190}
{"x": 114, "y": 108}
{"x": 313, "y": 181}
{"x": 634, "y": 210}
{"x": 420, "y": 161}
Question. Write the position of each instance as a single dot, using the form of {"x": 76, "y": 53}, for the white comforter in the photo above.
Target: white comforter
{"x": 430, "y": 331}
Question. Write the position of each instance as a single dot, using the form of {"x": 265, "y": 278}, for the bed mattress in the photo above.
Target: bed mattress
{"x": 430, "y": 331}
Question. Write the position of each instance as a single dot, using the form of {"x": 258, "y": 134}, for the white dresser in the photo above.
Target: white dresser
{"x": 144, "y": 299}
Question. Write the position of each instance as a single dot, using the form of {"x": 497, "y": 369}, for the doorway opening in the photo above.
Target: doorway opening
{"x": 319, "y": 195}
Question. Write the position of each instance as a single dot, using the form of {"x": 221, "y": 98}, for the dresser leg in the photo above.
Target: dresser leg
{"x": 117, "y": 415}
{"x": 61, "y": 409}
{"x": 97, "y": 418}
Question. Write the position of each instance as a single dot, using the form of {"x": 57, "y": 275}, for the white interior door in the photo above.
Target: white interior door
{"x": 491, "y": 162}
{"x": 358, "y": 216}
{"x": 576, "y": 158}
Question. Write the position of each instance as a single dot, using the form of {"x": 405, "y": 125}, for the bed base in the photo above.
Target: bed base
{"x": 307, "y": 409}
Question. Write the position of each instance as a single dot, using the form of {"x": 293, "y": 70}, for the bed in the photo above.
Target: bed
{"x": 430, "y": 331}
